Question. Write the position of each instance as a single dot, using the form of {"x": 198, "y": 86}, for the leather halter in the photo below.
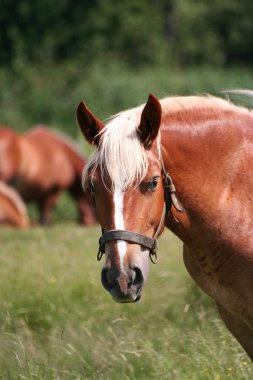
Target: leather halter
{"x": 133, "y": 237}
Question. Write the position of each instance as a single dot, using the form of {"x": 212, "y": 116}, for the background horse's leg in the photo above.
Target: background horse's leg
{"x": 84, "y": 203}
{"x": 241, "y": 331}
{"x": 87, "y": 214}
{"x": 45, "y": 206}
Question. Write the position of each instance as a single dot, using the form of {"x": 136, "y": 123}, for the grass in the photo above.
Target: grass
{"x": 58, "y": 323}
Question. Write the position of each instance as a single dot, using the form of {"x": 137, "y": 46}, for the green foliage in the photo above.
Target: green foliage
{"x": 215, "y": 31}
{"x": 84, "y": 30}
{"x": 57, "y": 322}
{"x": 50, "y": 94}
{"x": 138, "y": 33}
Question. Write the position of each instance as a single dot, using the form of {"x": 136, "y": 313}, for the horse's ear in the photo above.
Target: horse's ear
{"x": 150, "y": 121}
{"x": 89, "y": 124}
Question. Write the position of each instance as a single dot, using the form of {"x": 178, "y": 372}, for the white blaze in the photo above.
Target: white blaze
{"x": 118, "y": 198}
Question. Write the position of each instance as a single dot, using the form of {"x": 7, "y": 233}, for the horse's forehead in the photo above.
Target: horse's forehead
{"x": 98, "y": 172}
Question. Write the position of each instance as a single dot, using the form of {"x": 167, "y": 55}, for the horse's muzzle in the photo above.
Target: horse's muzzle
{"x": 124, "y": 286}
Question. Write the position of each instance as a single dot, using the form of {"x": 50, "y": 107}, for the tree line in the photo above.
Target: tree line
{"x": 139, "y": 33}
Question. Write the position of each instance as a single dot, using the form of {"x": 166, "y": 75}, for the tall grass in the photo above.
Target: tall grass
{"x": 58, "y": 323}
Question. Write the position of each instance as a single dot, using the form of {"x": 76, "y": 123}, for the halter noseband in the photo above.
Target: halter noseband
{"x": 143, "y": 240}
{"x": 130, "y": 236}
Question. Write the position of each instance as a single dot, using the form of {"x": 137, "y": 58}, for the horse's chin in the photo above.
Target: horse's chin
{"x": 130, "y": 297}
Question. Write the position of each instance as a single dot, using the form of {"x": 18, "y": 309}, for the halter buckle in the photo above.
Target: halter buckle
{"x": 169, "y": 184}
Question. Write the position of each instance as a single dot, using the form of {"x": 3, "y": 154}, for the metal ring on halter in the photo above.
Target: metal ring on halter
{"x": 99, "y": 254}
{"x": 153, "y": 255}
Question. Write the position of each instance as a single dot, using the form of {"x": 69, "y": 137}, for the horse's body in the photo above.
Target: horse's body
{"x": 206, "y": 145}
{"x": 48, "y": 164}
{"x": 13, "y": 211}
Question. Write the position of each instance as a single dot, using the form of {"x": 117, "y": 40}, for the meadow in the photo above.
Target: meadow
{"x": 58, "y": 323}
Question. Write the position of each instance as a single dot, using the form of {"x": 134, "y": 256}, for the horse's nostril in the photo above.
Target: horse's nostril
{"x": 108, "y": 277}
{"x": 104, "y": 278}
{"x": 138, "y": 277}
{"x": 111, "y": 278}
{"x": 131, "y": 277}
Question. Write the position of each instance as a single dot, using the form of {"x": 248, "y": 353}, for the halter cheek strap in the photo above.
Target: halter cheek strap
{"x": 169, "y": 189}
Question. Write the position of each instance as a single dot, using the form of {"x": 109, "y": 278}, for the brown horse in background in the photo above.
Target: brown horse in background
{"x": 42, "y": 164}
{"x": 13, "y": 211}
{"x": 185, "y": 163}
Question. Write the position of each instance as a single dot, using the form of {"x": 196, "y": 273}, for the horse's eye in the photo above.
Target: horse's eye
{"x": 91, "y": 187}
{"x": 152, "y": 185}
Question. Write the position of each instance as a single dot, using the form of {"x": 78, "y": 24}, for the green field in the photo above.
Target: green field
{"x": 58, "y": 323}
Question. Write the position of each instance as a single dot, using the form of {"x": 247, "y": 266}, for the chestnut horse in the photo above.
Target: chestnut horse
{"x": 13, "y": 211}
{"x": 185, "y": 163}
{"x": 42, "y": 165}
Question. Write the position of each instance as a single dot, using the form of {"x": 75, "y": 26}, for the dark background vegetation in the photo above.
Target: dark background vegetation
{"x": 140, "y": 33}
{"x": 113, "y": 53}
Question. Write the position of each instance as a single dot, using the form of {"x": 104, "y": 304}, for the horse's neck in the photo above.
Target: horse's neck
{"x": 208, "y": 152}
{"x": 211, "y": 170}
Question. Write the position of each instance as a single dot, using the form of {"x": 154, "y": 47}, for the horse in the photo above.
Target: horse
{"x": 13, "y": 211}
{"x": 185, "y": 163}
{"x": 42, "y": 166}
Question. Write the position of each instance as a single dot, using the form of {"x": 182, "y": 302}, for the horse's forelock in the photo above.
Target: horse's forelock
{"x": 120, "y": 154}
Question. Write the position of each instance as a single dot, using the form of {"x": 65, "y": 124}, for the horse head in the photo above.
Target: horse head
{"x": 125, "y": 177}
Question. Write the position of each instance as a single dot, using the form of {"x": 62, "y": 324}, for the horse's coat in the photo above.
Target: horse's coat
{"x": 13, "y": 211}
{"x": 42, "y": 164}
{"x": 206, "y": 144}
